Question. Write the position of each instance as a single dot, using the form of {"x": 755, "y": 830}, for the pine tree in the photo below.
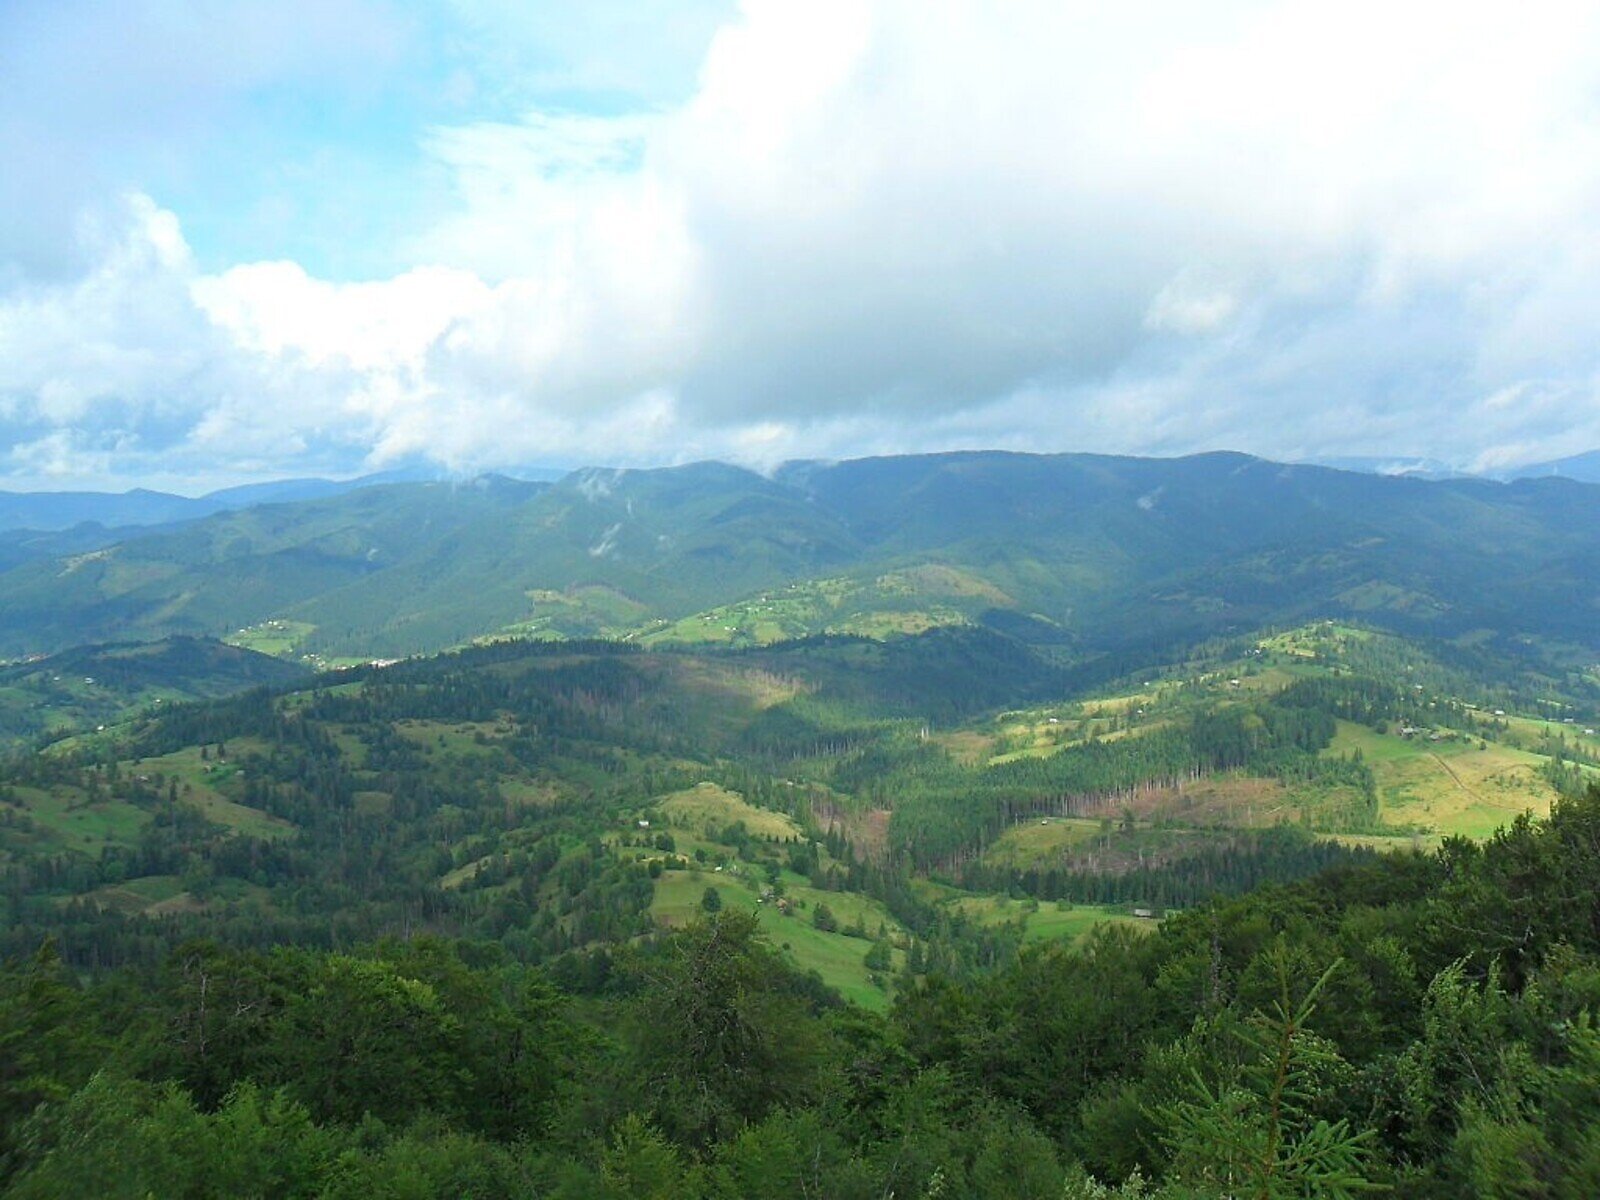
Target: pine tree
{"x": 1252, "y": 1132}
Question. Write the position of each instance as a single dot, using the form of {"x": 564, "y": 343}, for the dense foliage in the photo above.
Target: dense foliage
{"x": 1425, "y": 1023}
{"x": 479, "y": 795}
{"x": 581, "y": 919}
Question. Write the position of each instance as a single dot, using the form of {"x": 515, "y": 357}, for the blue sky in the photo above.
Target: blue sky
{"x": 254, "y": 239}
{"x": 295, "y": 129}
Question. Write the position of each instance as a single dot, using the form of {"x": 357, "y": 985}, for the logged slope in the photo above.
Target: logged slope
{"x": 1085, "y": 550}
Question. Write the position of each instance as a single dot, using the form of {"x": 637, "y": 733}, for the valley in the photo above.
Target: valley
{"x": 986, "y": 803}
{"x": 562, "y": 796}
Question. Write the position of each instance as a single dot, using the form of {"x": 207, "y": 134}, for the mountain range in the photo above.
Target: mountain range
{"x": 1089, "y": 553}
{"x": 26, "y": 515}
{"x": 1583, "y": 467}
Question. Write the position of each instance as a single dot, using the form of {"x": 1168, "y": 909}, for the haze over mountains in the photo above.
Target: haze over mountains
{"x": 50, "y": 512}
{"x": 1087, "y": 552}
{"x": 57, "y": 512}
{"x": 1582, "y": 467}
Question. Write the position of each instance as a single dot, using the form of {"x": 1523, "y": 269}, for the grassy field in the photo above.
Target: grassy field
{"x": 580, "y": 611}
{"x": 1040, "y": 842}
{"x": 761, "y": 624}
{"x": 1323, "y": 639}
{"x": 836, "y": 957}
{"x": 76, "y": 823}
{"x": 707, "y": 807}
{"x": 201, "y": 783}
{"x": 278, "y": 638}
{"x": 164, "y": 895}
{"x": 1534, "y": 730}
{"x": 1448, "y": 787}
{"x": 1075, "y": 922}
{"x": 453, "y": 879}
{"x": 897, "y": 603}
{"x": 790, "y": 612}
{"x": 451, "y": 737}
{"x": 696, "y": 817}
{"x": 1042, "y": 921}
{"x": 1036, "y": 732}
{"x": 137, "y": 895}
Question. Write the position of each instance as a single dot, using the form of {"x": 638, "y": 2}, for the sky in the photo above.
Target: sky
{"x": 267, "y": 238}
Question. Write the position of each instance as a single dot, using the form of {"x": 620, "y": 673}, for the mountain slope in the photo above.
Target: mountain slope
{"x": 91, "y": 685}
{"x": 598, "y": 552}
{"x": 1120, "y": 545}
{"x": 1583, "y": 467}
{"x": 1087, "y": 551}
{"x": 236, "y": 568}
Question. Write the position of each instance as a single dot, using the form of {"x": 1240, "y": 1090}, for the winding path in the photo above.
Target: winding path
{"x": 1451, "y": 771}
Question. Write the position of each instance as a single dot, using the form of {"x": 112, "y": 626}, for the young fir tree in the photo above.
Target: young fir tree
{"x": 1252, "y": 1133}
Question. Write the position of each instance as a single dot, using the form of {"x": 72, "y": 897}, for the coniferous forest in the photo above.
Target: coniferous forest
{"x": 1418, "y": 1023}
{"x": 581, "y": 919}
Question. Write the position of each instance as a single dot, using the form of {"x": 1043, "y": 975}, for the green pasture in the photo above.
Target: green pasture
{"x": 1448, "y": 787}
{"x": 706, "y": 808}
{"x": 1041, "y": 920}
{"x": 77, "y": 823}
{"x": 1040, "y": 842}
{"x": 281, "y": 639}
{"x": 836, "y": 957}
{"x": 204, "y": 782}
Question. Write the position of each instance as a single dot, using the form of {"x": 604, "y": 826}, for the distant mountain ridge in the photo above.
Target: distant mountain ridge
{"x": 53, "y": 512}
{"x": 1585, "y": 468}
{"x": 1087, "y": 552}
{"x": 1399, "y": 464}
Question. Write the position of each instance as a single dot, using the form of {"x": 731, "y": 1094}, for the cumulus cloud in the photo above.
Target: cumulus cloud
{"x": 889, "y": 226}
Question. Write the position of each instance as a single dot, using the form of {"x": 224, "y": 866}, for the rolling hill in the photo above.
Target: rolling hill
{"x": 97, "y": 685}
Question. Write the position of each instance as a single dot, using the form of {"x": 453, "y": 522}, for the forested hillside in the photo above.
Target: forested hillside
{"x": 557, "y": 701}
{"x": 214, "y": 575}
{"x": 1422, "y": 1024}
{"x": 971, "y": 825}
{"x": 516, "y": 790}
{"x": 832, "y": 917}
{"x": 88, "y": 686}
{"x": 1093, "y": 555}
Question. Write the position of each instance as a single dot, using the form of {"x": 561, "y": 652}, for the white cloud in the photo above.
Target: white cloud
{"x": 887, "y": 226}
{"x": 1189, "y": 304}
{"x": 274, "y": 309}
{"x": 118, "y": 337}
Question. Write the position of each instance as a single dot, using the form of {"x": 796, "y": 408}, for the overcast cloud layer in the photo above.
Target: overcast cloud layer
{"x": 795, "y": 229}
